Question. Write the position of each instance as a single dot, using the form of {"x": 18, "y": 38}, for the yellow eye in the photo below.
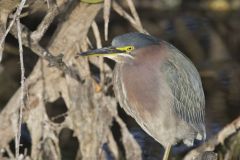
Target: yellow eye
{"x": 129, "y": 48}
{"x": 126, "y": 48}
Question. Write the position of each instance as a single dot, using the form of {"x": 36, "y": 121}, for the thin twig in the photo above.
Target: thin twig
{"x": 112, "y": 145}
{"x": 128, "y": 17}
{"x": 99, "y": 45}
{"x": 84, "y": 47}
{"x": 59, "y": 116}
{"x": 48, "y": 4}
{"x": 123, "y": 13}
{"x": 17, "y": 142}
{"x": 9, "y": 152}
{"x": 45, "y": 23}
{"x": 16, "y": 14}
{"x": 55, "y": 61}
{"x": 97, "y": 35}
{"x": 89, "y": 43}
{"x": 106, "y": 15}
{"x": 134, "y": 12}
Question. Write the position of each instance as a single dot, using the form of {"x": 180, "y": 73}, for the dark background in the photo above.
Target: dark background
{"x": 208, "y": 32}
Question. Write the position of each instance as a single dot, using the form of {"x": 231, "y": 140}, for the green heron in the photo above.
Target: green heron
{"x": 158, "y": 86}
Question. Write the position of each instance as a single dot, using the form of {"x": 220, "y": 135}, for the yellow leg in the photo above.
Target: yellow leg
{"x": 167, "y": 152}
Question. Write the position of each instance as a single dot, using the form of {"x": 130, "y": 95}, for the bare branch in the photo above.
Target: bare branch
{"x": 99, "y": 45}
{"x": 45, "y": 23}
{"x": 18, "y": 135}
{"x": 55, "y": 61}
{"x": 134, "y": 12}
{"x": 125, "y": 15}
{"x": 106, "y": 16}
{"x": 38, "y": 87}
{"x": 97, "y": 35}
{"x": 16, "y": 14}
{"x": 218, "y": 139}
{"x": 9, "y": 152}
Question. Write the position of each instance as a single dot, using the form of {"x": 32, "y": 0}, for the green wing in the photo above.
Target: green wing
{"x": 184, "y": 81}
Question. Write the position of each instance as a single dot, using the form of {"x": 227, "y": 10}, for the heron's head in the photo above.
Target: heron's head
{"x": 124, "y": 46}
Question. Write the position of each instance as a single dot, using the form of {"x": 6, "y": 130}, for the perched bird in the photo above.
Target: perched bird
{"x": 158, "y": 86}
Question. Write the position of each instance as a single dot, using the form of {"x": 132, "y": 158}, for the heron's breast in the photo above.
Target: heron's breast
{"x": 145, "y": 87}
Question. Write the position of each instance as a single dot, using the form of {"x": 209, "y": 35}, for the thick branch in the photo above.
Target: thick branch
{"x": 43, "y": 26}
{"x": 55, "y": 61}
{"x": 8, "y": 114}
{"x": 210, "y": 145}
{"x": 90, "y": 113}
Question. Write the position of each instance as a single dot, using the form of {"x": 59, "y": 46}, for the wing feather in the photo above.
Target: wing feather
{"x": 184, "y": 81}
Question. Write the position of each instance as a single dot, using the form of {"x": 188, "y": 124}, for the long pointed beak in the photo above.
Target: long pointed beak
{"x": 106, "y": 51}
